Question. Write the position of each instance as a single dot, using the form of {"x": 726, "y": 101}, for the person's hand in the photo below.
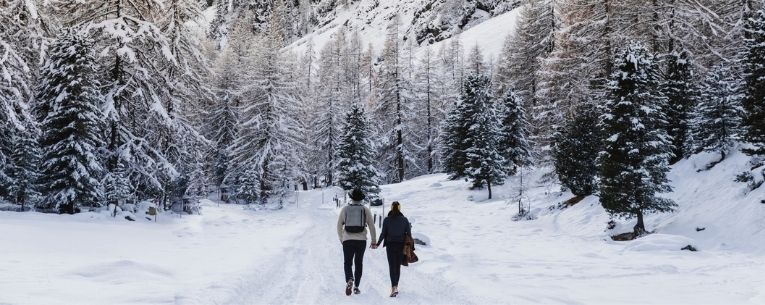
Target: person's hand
{"x": 373, "y": 246}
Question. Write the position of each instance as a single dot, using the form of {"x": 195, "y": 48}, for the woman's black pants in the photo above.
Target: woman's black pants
{"x": 395, "y": 251}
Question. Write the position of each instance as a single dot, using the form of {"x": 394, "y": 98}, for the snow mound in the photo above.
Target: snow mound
{"x": 123, "y": 271}
{"x": 659, "y": 242}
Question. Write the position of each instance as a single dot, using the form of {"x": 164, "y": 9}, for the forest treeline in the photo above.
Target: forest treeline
{"x": 112, "y": 101}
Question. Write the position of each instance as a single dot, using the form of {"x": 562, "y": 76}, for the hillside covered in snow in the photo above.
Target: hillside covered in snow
{"x": 476, "y": 252}
{"x": 544, "y": 151}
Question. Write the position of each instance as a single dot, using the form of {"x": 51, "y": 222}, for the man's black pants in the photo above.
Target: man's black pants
{"x": 353, "y": 252}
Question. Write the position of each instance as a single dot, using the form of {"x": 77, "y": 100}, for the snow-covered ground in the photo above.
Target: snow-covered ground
{"x": 477, "y": 254}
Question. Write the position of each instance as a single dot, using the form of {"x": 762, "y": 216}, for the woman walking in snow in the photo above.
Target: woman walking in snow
{"x": 395, "y": 230}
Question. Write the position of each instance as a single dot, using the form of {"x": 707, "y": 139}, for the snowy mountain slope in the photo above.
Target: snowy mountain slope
{"x": 371, "y": 21}
{"x": 731, "y": 217}
{"x": 567, "y": 257}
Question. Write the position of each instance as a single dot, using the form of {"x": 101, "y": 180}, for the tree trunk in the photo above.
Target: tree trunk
{"x": 640, "y": 226}
{"x": 399, "y": 141}
{"x": 488, "y": 183}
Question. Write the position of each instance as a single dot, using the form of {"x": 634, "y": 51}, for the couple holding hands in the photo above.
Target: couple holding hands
{"x": 396, "y": 237}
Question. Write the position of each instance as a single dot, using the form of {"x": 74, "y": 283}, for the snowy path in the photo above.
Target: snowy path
{"x": 311, "y": 271}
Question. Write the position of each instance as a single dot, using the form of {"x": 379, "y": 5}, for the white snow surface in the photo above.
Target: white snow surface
{"x": 476, "y": 253}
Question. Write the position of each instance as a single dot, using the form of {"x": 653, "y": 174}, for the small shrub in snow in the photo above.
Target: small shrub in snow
{"x": 690, "y": 248}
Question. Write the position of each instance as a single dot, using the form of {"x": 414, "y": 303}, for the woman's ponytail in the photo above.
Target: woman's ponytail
{"x": 395, "y": 209}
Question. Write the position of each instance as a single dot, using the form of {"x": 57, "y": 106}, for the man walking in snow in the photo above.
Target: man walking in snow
{"x": 352, "y": 231}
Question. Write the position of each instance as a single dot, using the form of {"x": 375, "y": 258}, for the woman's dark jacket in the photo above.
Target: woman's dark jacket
{"x": 395, "y": 229}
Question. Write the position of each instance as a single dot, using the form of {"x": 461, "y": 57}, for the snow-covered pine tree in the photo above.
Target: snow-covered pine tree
{"x": 475, "y": 64}
{"x": 368, "y": 71}
{"x": 392, "y": 109}
{"x": 577, "y": 145}
{"x": 198, "y": 185}
{"x": 306, "y": 77}
{"x": 23, "y": 168}
{"x": 232, "y": 77}
{"x": 449, "y": 68}
{"x": 245, "y": 186}
{"x": 27, "y": 27}
{"x": 735, "y": 16}
{"x": 117, "y": 186}
{"x": 679, "y": 88}
{"x": 452, "y": 138}
{"x": 23, "y": 41}
{"x": 184, "y": 92}
{"x": 451, "y": 63}
{"x": 133, "y": 53}
{"x": 754, "y": 88}
{"x": 718, "y": 113}
{"x": 484, "y": 163}
{"x": 561, "y": 85}
{"x": 514, "y": 144}
{"x": 636, "y": 152}
{"x": 224, "y": 115}
{"x": 268, "y": 136}
{"x": 430, "y": 106}
{"x": 298, "y": 118}
{"x": 14, "y": 91}
{"x": 697, "y": 27}
{"x": 328, "y": 109}
{"x": 70, "y": 168}
{"x": 523, "y": 51}
{"x": 355, "y": 159}
{"x": 521, "y": 68}
{"x": 455, "y": 133}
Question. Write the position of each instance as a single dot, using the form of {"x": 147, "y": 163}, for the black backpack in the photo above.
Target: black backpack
{"x": 355, "y": 218}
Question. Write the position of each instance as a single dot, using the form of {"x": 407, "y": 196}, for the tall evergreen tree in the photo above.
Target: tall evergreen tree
{"x": 393, "y": 107}
{"x": 70, "y": 166}
{"x": 514, "y": 143}
{"x": 153, "y": 86}
{"x": 117, "y": 186}
{"x": 532, "y": 41}
{"x": 455, "y": 132}
{"x": 224, "y": 115}
{"x": 484, "y": 162}
{"x": 184, "y": 91}
{"x": 576, "y": 148}
{"x": 327, "y": 111}
{"x": 634, "y": 160}
{"x": 718, "y": 115}
{"x": 679, "y": 88}
{"x": 14, "y": 90}
{"x": 22, "y": 45}
{"x": 355, "y": 166}
{"x": 23, "y": 169}
{"x": 268, "y": 139}
{"x": 430, "y": 107}
{"x": 754, "y": 88}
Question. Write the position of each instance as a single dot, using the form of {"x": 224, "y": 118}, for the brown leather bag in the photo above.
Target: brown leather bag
{"x": 409, "y": 254}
